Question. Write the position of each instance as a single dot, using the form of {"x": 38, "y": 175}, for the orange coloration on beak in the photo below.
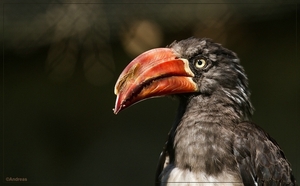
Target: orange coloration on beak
{"x": 157, "y": 72}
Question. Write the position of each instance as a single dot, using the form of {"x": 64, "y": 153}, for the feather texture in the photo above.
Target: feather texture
{"x": 213, "y": 139}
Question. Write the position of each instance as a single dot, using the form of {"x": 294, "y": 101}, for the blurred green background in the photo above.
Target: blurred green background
{"x": 62, "y": 58}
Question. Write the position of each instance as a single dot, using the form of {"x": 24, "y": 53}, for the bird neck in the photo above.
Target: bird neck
{"x": 219, "y": 107}
{"x": 203, "y": 131}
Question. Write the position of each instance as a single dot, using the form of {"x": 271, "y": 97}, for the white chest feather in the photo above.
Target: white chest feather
{"x": 173, "y": 176}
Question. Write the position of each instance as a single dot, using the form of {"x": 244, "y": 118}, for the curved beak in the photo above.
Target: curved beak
{"x": 154, "y": 73}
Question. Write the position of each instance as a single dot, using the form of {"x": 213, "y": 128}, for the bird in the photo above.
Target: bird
{"x": 213, "y": 140}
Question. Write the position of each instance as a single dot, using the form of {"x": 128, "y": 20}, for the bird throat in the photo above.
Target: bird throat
{"x": 202, "y": 138}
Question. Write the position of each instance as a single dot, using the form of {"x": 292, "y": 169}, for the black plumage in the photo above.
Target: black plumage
{"x": 213, "y": 132}
{"x": 213, "y": 139}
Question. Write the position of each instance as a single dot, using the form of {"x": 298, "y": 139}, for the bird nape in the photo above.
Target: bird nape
{"x": 213, "y": 139}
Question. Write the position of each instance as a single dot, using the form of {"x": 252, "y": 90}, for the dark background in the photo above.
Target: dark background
{"x": 62, "y": 58}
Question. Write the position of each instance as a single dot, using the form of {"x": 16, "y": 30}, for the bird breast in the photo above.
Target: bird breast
{"x": 173, "y": 176}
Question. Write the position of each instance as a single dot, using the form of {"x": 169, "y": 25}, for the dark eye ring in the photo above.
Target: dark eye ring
{"x": 200, "y": 63}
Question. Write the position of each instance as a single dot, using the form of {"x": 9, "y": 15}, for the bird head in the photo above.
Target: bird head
{"x": 189, "y": 67}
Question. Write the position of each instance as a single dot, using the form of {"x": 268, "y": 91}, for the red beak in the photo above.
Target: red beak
{"x": 157, "y": 72}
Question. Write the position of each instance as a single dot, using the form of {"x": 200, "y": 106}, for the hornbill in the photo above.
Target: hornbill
{"x": 213, "y": 139}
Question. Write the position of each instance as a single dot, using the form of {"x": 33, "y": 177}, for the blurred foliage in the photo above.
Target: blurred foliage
{"x": 61, "y": 59}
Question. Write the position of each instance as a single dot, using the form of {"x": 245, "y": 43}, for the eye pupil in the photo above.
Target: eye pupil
{"x": 199, "y": 62}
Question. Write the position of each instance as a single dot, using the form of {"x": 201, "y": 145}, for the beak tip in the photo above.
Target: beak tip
{"x": 118, "y": 105}
{"x": 115, "y": 111}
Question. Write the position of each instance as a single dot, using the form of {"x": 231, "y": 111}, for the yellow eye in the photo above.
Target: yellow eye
{"x": 200, "y": 63}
